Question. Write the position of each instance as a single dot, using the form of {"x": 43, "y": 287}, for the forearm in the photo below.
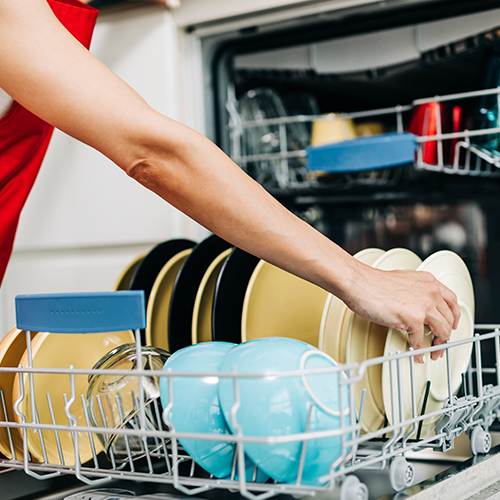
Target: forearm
{"x": 204, "y": 183}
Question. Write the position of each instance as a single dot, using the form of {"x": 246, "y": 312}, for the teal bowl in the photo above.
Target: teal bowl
{"x": 273, "y": 405}
{"x": 196, "y": 408}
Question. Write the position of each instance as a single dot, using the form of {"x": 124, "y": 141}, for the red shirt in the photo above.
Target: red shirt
{"x": 24, "y": 138}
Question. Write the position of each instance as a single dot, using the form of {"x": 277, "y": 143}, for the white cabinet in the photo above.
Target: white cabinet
{"x": 85, "y": 218}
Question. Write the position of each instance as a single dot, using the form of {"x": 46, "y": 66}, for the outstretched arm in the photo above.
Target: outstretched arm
{"x": 46, "y": 70}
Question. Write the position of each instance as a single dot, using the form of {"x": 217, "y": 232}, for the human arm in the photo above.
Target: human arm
{"x": 51, "y": 74}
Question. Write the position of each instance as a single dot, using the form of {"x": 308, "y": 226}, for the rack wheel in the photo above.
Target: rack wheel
{"x": 401, "y": 474}
{"x": 353, "y": 489}
{"x": 480, "y": 441}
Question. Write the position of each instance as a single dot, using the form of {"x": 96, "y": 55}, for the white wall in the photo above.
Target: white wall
{"x": 85, "y": 219}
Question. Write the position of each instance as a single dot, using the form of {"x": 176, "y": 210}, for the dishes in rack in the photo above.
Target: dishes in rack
{"x": 366, "y": 340}
{"x": 113, "y": 401}
{"x": 279, "y": 304}
{"x": 337, "y": 316}
{"x": 450, "y": 269}
{"x": 51, "y": 391}
{"x": 187, "y": 283}
{"x": 159, "y": 301}
{"x": 201, "y": 326}
{"x": 12, "y": 348}
{"x": 350, "y": 338}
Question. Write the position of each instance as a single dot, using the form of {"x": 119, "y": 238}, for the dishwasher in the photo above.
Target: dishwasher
{"x": 144, "y": 456}
{"x": 437, "y": 93}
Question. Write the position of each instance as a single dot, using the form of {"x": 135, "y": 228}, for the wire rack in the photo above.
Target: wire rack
{"x": 472, "y": 410}
{"x": 467, "y": 148}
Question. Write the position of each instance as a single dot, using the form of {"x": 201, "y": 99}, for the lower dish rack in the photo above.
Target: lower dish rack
{"x": 420, "y": 416}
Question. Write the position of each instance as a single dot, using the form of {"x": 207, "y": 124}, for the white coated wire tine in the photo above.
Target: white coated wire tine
{"x": 140, "y": 378}
{"x": 144, "y": 439}
{"x": 354, "y": 448}
{"x": 234, "y": 465}
{"x": 113, "y": 423}
{"x": 399, "y": 374}
{"x": 105, "y": 422}
{"x": 6, "y": 419}
{"x": 479, "y": 366}
{"x": 399, "y": 119}
{"x": 439, "y": 132}
{"x": 343, "y": 437}
{"x": 90, "y": 434}
{"x": 34, "y": 414}
{"x": 127, "y": 444}
{"x": 173, "y": 441}
{"x": 163, "y": 443}
{"x": 284, "y": 149}
{"x": 497, "y": 357}
{"x": 414, "y": 426}
{"x": 448, "y": 371}
{"x": 191, "y": 471}
{"x": 56, "y": 432}
{"x": 303, "y": 450}
{"x": 74, "y": 434}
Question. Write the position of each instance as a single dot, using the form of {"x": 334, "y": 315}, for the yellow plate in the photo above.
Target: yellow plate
{"x": 55, "y": 350}
{"x": 12, "y": 348}
{"x": 201, "y": 326}
{"x": 159, "y": 301}
{"x": 366, "y": 340}
{"x": 278, "y": 304}
{"x": 336, "y": 315}
{"x": 125, "y": 278}
{"x": 450, "y": 269}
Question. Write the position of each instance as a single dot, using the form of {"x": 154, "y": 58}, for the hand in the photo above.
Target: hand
{"x": 407, "y": 300}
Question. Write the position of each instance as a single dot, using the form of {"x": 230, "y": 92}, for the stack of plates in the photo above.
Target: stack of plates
{"x": 350, "y": 338}
{"x": 212, "y": 291}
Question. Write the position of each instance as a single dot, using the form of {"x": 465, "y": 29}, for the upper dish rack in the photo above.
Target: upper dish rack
{"x": 473, "y": 411}
{"x": 453, "y": 134}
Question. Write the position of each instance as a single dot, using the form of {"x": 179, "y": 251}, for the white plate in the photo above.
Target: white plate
{"x": 336, "y": 315}
{"x": 450, "y": 269}
{"x": 366, "y": 340}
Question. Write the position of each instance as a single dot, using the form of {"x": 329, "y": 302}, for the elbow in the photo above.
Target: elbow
{"x": 146, "y": 172}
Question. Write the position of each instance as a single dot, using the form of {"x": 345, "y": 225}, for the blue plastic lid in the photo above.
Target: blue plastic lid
{"x": 81, "y": 312}
{"x": 363, "y": 153}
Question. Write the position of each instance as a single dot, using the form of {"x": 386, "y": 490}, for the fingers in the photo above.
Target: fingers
{"x": 439, "y": 310}
{"x": 442, "y": 314}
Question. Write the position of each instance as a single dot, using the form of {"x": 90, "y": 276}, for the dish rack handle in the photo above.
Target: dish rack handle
{"x": 89, "y": 312}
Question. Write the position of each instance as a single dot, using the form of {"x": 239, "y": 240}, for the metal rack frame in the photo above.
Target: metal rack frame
{"x": 469, "y": 159}
{"x": 472, "y": 413}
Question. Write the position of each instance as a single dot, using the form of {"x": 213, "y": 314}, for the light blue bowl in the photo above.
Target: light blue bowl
{"x": 279, "y": 406}
{"x": 196, "y": 408}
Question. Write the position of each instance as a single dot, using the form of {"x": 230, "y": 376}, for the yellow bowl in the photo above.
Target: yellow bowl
{"x": 333, "y": 128}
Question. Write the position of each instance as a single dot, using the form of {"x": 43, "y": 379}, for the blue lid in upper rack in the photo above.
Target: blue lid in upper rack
{"x": 81, "y": 312}
{"x": 364, "y": 153}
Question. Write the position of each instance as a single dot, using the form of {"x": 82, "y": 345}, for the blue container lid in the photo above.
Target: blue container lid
{"x": 364, "y": 153}
{"x": 81, "y": 312}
